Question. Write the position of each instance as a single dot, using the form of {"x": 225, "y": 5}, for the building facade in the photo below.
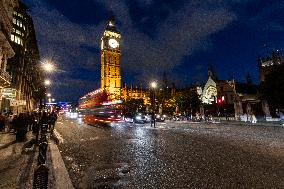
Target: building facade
{"x": 110, "y": 61}
{"x": 136, "y": 92}
{"x": 6, "y": 50}
{"x": 27, "y": 77}
{"x": 266, "y": 64}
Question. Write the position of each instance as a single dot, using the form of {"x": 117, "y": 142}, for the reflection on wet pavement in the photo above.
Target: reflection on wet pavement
{"x": 172, "y": 156}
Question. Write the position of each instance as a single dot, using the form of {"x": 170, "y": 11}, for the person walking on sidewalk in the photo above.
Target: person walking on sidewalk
{"x": 43, "y": 122}
{"x": 52, "y": 120}
{"x": 2, "y": 123}
{"x": 20, "y": 127}
{"x": 9, "y": 123}
{"x": 35, "y": 125}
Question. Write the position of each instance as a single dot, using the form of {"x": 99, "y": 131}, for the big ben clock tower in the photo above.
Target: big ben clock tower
{"x": 110, "y": 60}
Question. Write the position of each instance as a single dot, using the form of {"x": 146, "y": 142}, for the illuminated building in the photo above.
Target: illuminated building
{"x": 110, "y": 60}
{"x": 27, "y": 78}
{"x": 6, "y": 50}
{"x": 226, "y": 90}
{"x": 266, "y": 64}
{"x": 128, "y": 93}
{"x": 209, "y": 92}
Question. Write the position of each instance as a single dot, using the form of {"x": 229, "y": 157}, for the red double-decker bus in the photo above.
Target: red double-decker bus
{"x": 95, "y": 107}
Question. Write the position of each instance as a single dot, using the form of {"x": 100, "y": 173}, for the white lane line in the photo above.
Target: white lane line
{"x": 58, "y": 136}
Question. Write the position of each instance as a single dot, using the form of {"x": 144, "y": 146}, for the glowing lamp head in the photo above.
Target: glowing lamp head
{"x": 48, "y": 66}
{"x": 47, "y": 82}
{"x": 154, "y": 84}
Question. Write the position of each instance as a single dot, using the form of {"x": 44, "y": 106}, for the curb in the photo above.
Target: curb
{"x": 62, "y": 179}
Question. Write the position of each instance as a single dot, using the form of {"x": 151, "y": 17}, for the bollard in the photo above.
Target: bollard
{"x": 42, "y": 148}
{"x": 40, "y": 177}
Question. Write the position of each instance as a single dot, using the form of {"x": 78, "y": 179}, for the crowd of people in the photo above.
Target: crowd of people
{"x": 24, "y": 122}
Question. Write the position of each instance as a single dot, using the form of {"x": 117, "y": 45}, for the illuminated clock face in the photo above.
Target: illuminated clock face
{"x": 113, "y": 43}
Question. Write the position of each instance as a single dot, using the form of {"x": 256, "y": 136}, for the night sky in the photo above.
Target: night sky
{"x": 178, "y": 37}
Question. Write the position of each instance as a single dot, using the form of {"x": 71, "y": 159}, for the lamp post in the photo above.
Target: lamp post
{"x": 154, "y": 86}
{"x": 48, "y": 66}
{"x": 47, "y": 82}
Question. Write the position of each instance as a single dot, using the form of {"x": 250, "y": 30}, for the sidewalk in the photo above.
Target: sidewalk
{"x": 16, "y": 165}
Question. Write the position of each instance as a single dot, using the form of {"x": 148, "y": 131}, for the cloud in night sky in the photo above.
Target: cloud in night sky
{"x": 181, "y": 32}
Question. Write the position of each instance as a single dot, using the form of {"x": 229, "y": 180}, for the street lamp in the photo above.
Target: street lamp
{"x": 47, "y": 82}
{"x": 48, "y": 95}
{"x": 154, "y": 86}
{"x": 48, "y": 66}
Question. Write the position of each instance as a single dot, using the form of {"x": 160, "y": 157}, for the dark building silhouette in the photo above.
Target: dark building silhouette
{"x": 265, "y": 64}
{"x": 6, "y": 50}
{"x": 27, "y": 77}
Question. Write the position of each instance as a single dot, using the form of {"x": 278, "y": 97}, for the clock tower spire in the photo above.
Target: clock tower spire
{"x": 110, "y": 60}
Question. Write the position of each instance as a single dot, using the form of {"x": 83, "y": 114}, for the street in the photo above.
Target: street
{"x": 173, "y": 155}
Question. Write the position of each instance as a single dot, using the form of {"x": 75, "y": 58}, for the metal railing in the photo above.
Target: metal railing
{"x": 41, "y": 172}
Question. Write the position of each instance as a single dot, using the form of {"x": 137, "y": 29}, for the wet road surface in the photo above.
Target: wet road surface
{"x": 173, "y": 155}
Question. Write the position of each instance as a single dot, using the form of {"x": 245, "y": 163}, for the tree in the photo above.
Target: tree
{"x": 186, "y": 101}
{"x": 272, "y": 88}
{"x": 133, "y": 105}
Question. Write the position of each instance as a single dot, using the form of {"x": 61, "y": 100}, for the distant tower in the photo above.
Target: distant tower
{"x": 211, "y": 72}
{"x": 248, "y": 79}
{"x": 266, "y": 64}
{"x": 110, "y": 60}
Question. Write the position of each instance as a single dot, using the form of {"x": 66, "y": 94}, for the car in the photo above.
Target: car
{"x": 140, "y": 118}
{"x": 128, "y": 118}
{"x": 160, "y": 117}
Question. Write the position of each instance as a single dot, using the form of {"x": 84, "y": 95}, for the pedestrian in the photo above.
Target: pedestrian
{"x": 35, "y": 125}
{"x": 280, "y": 113}
{"x": 253, "y": 119}
{"x": 43, "y": 122}
{"x": 52, "y": 121}
{"x": 152, "y": 118}
{"x": 20, "y": 127}
{"x": 29, "y": 121}
{"x": 2, "y": 123}
{"x": 10, "y": 122}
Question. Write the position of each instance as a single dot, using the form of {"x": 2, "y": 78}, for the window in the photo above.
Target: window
{"x": 18, "y": 32}
{"x": 20, "y": 15}
{"x": 17, "y": 39}
{"x": 12, "y": 37}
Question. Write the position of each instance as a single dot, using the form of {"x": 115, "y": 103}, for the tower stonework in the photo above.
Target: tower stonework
{"x": 110, "y": 61}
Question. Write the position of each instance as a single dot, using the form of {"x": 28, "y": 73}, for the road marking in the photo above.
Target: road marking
{"x": 58, "y": 136}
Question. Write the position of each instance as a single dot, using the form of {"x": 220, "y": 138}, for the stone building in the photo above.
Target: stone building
{"x": 110, "y": 61}
{"x": 265, "y": 64}
{"x": 136, "y": 92}
{"x": 225, "y": 94}
{"x": 24, "y": 67}
{"x": 6, "y": 50}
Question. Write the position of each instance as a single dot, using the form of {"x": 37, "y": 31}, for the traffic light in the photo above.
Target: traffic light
{"x": 220, "y": 100}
